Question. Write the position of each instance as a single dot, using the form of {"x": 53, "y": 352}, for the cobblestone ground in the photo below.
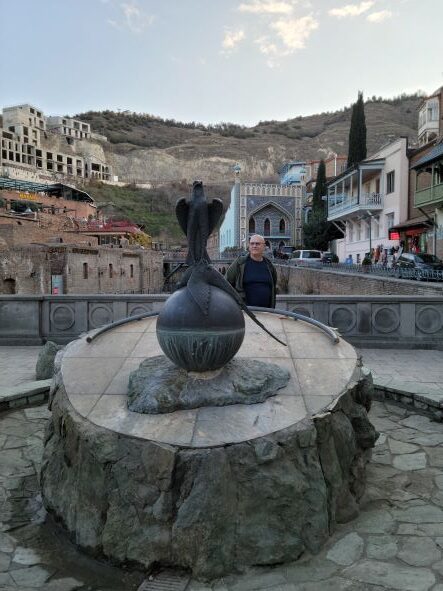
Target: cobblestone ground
{"x": 396, "y": 543}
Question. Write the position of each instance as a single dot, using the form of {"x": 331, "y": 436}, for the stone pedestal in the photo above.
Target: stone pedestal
{"x": 215, "y": 489}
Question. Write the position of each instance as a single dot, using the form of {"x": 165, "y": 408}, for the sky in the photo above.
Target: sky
{"x": 240, "y": 61}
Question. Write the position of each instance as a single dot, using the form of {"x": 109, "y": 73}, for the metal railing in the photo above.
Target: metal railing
{"x": 342, "y": 202}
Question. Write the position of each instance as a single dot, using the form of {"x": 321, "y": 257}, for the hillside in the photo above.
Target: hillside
{"x": 146, "y": 148}
{"x": 169, "y": 154}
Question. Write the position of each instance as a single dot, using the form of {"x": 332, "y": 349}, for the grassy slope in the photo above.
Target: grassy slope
{"x": 152, "y": 208}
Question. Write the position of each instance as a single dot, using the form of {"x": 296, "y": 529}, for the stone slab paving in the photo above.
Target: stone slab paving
{"x": 413, "y": 377}
{"x": 96, "y": 375}
{"x": 395, "y": 544}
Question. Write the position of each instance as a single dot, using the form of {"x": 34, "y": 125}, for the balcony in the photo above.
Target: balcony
{"x": 343, "y": 206}
{"x": 430, "y": 196}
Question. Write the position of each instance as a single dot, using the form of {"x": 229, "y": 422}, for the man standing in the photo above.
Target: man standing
{"x": 254, "y": 276}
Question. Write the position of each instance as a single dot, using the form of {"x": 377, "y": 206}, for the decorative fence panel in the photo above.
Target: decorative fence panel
{"x": 369, "y": 321}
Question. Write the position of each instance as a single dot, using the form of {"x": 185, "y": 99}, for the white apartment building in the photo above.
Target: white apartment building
{"x": 429, "y": 118}
{"x": 70, "y": 128}
{"x": 366, "y": 200}
{"x": 25, "y": 153}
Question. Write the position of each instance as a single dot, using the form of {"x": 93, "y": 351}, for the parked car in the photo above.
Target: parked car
{"x": 306, "y": 257}
{"x": 419, "y": 266}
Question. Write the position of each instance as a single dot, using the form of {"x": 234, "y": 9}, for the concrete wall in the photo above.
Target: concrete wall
{"x": 377, "y": 321}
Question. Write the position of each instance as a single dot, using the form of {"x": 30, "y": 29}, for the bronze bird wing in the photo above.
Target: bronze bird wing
{"x": 182, "y": 212}
{"x": 215, "y": 211}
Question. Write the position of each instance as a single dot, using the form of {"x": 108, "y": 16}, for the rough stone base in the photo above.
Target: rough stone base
{"x": 159, "y": 386}
{"x": 211, "y": 510}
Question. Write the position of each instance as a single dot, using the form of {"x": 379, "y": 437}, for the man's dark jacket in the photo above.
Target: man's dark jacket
{"x": 236, "y": 272}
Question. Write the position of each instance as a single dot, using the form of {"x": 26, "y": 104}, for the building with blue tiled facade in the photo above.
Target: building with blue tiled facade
{"x": 272, "y": 210}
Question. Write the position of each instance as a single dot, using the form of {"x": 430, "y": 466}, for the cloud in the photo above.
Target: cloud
{"x": 267, "y": 7}
{"x": 378, "y": 17}
{"x": 232, "y": 39}
{"x": 295, "y": 32}
{"x": 351, "y": 9}
{"x": 268, "y": 49}
{"x": 133, "y": 18}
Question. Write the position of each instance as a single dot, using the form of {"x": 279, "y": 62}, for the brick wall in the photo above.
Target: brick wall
{"x": 28, "y": 270}
{"x": 304, "y": 281}
{"x": 25, "y": 270}
{"x": 22, "y": 231}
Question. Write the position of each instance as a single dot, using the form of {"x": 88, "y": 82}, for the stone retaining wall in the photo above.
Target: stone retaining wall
{"x": 365, "y": 321}
{"x": 302, "y": 280}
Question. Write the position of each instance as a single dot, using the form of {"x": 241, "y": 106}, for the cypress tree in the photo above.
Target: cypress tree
{"x": 357, "y": 133}
{"x": 318, "y": 232}
{"x": 320, "y": 188}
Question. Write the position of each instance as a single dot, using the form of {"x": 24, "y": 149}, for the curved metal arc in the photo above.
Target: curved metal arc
{"x": 327, "y": 329}
{"x": 112, "y": 325}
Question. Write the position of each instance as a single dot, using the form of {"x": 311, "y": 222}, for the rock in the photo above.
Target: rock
{"x": 347, "y": 550}
{"x": 45, "y": 363}
{"x": 66, "y": 584}
{"x": 399, "y": 447}
{"x": 381, "y": 547}
{"x": 26, "y": 556}
{"x": 421, "y": 514}
{"x": 391, "y": 576}
{"x": 419, "y": 551}
{"x": 7, "y": 543}
{"x": 410, "y": 462}
{"x": 34, "y": 576}
{"x": 159, "y": 386}
{"x": 5, "y": 560}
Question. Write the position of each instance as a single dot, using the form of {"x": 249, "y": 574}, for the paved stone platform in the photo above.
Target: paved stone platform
{"x": 95, "y": 376}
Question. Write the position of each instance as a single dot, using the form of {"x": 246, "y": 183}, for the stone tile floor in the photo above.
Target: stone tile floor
{"x": 396, "y": 543}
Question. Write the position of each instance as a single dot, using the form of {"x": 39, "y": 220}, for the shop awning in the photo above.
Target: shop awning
{"x": 434, "y": 154}
{"x": 421, "y": 223}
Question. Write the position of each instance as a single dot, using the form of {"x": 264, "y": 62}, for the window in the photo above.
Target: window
{"x": 351, "y": 231}
{"x": 282, "y": 226}
{"x": 432, "y": 111}
{"x": 111, "y": 273}
{"x": 376, "y": 227}
{"x": 390, "y": 182}
{"x": 389, "y": 221}
{"x": 267, "y": 227}
{"x": 251, "y": 225}
{"x": 85, "y": 270}
{"x": 131, "y": 269}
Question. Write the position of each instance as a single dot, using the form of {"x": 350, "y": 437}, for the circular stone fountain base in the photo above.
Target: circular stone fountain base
{"x": 214, "y": 489}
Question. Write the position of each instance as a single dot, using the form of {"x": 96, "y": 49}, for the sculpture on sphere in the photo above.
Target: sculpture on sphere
{"x": 201, "y": 326}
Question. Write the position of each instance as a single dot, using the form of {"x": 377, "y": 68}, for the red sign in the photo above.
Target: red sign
{"x": 394, "y": 235}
